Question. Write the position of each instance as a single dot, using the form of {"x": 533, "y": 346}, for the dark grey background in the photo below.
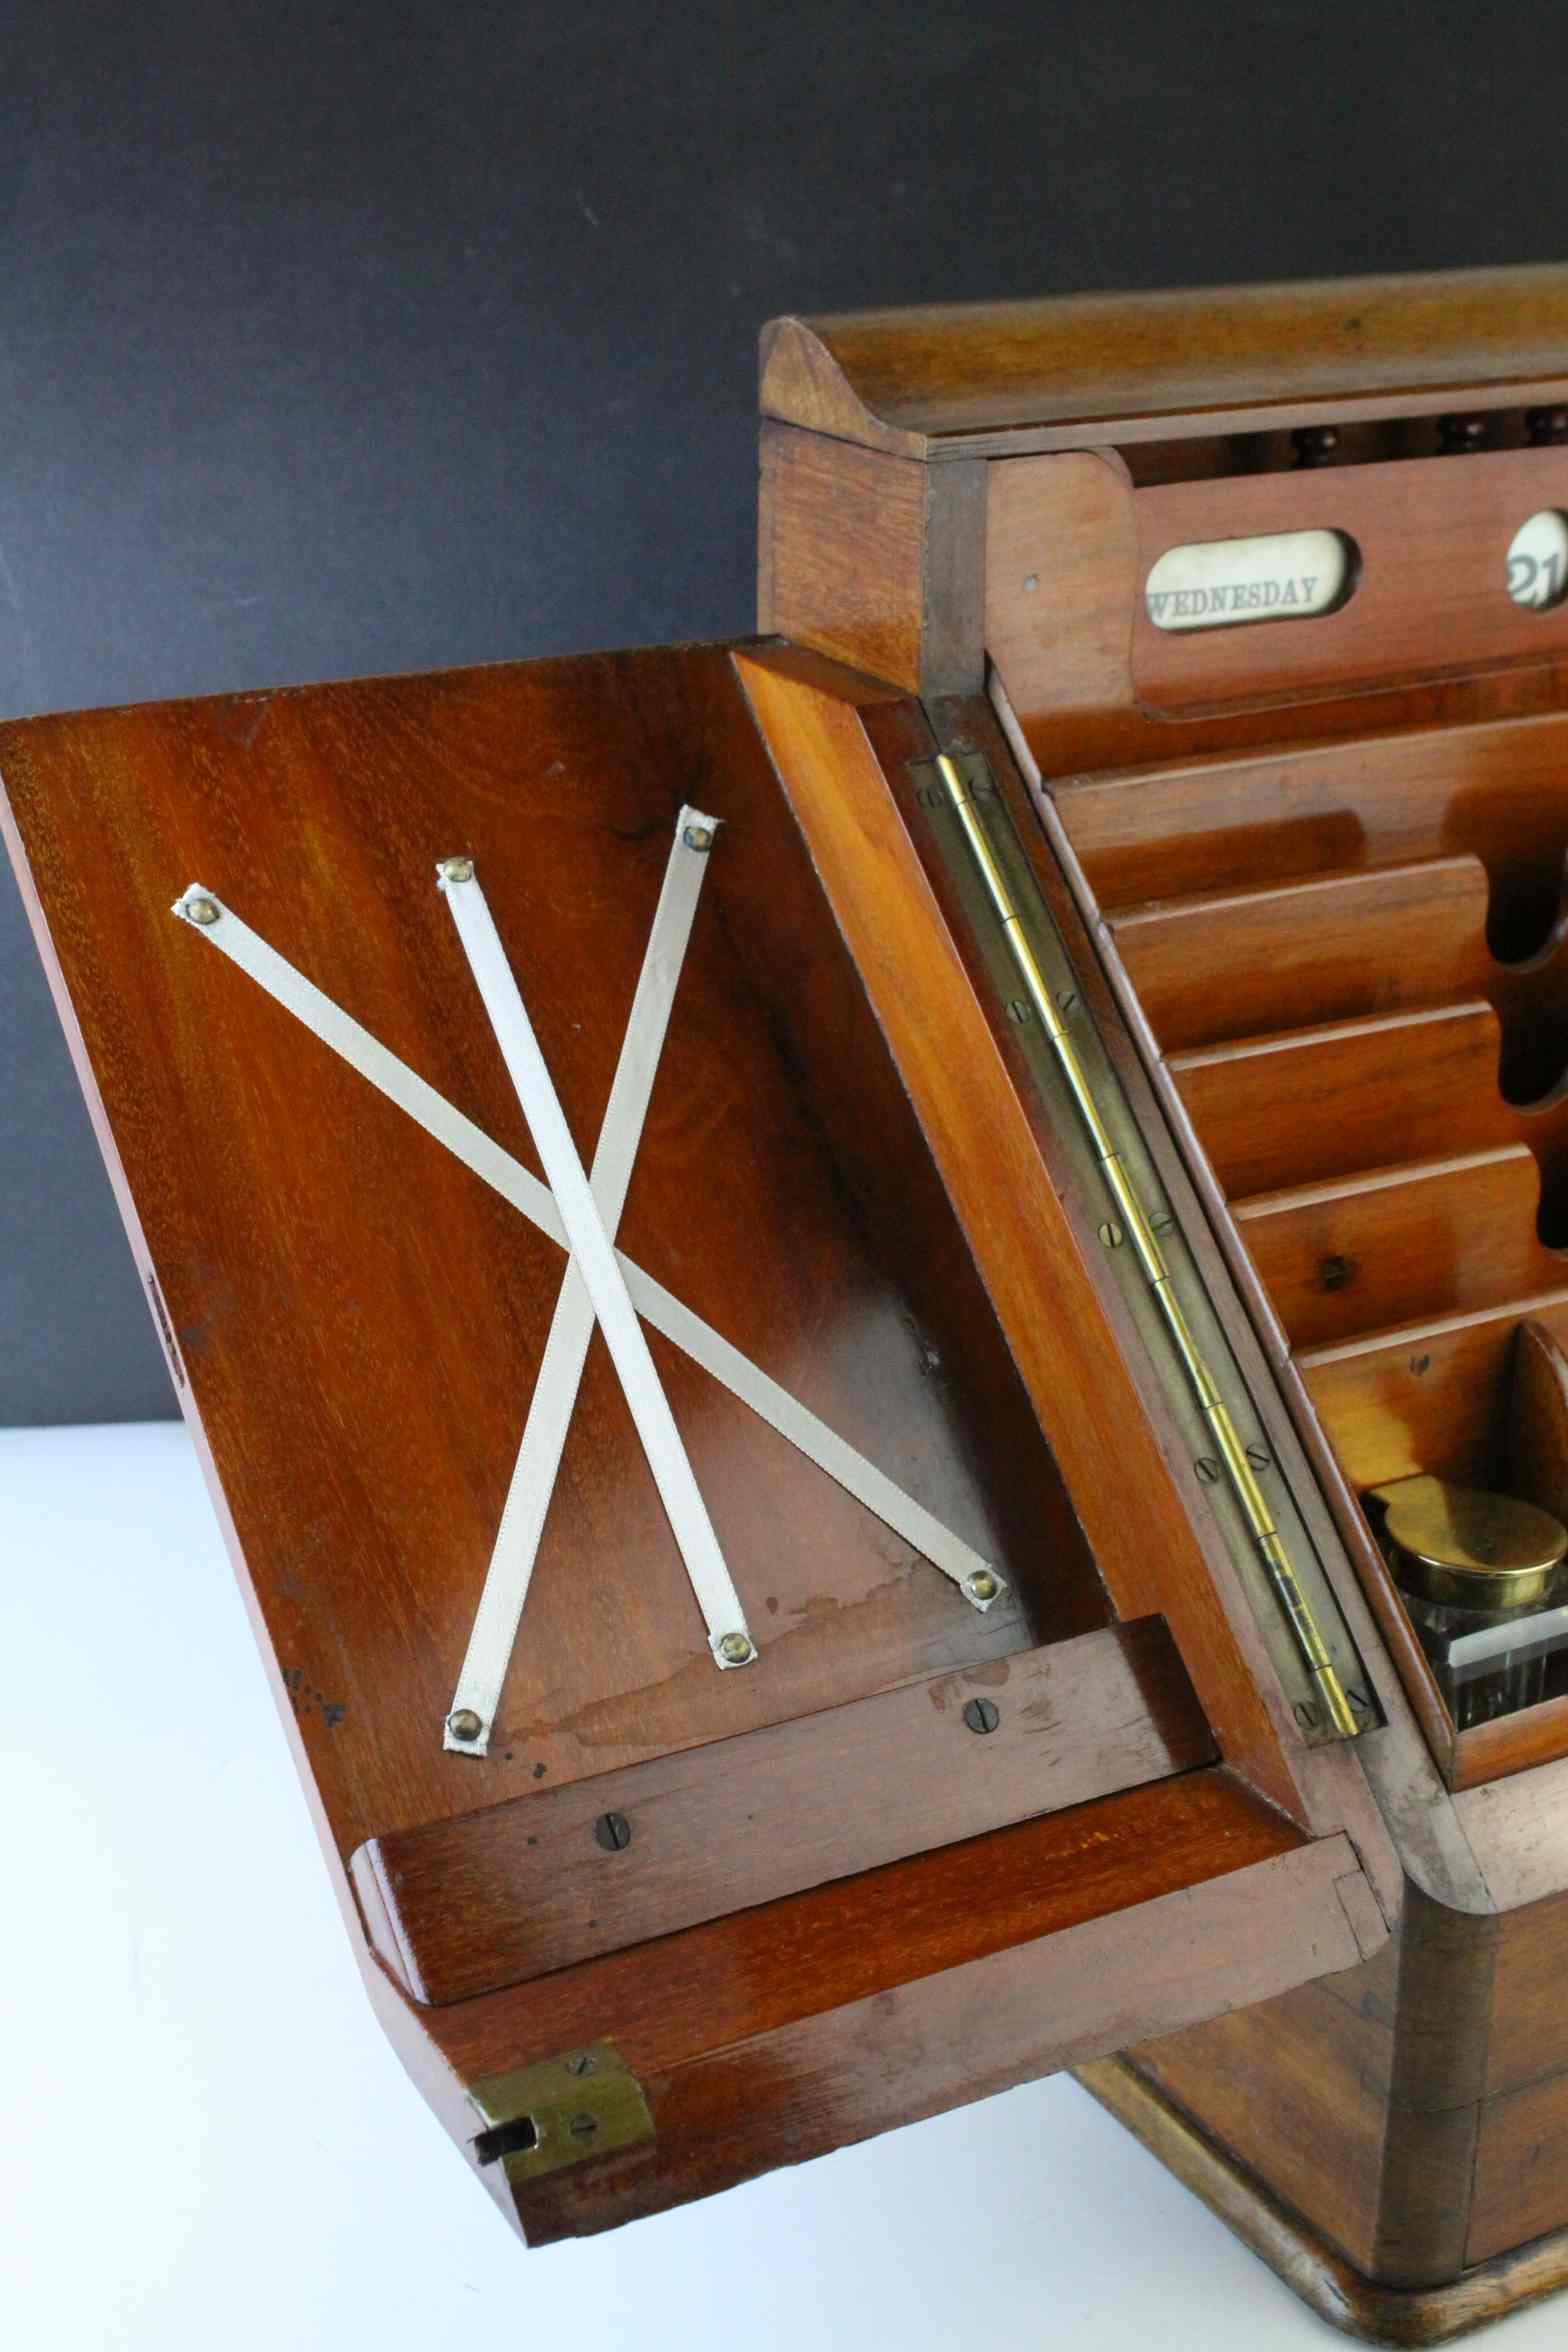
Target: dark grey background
{"x": 337, "y": 340}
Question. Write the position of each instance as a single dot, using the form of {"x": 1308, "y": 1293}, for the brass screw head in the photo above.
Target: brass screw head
{"x": 202, "y": 910}
{"x": 465, "y": 1724}
{"x": 736, "y": 1649}
{"x": 982, "y": 1586}
{"x": 698, "y": 836}
{"x": 458, "y": 869}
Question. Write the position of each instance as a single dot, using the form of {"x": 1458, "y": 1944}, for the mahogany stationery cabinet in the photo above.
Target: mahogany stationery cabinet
{"x": 878, "y": 1316}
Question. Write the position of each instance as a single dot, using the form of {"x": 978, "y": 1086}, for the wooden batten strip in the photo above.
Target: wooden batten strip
{"x": 549, "y": 1879}
{"x": 1229, "y": 965}
{"x": 1498, "y": 790}
{"x": 1336, "y": 1100}
{"x": 1396, "y": 1245}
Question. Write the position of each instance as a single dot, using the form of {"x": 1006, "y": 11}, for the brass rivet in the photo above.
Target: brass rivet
{"x": 1111, "y": 1234}
{"x": 698, "y": 836}
{"x": 465, "y": 1724}
{"x": 735, "y": 1649}
{"x": 202, "y": 910}
{"x": 458, "y": 869}
{"x": 982, "y": 1586}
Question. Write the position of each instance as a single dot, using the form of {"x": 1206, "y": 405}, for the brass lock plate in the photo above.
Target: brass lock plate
{"x": 539, "y": 2119}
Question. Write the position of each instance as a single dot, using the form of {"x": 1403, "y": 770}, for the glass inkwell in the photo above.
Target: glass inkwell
{"x": 1483, "y": 1580}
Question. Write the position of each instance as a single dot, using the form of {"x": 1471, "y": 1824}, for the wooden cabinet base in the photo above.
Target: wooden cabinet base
{"x": 1311, "y": 2267}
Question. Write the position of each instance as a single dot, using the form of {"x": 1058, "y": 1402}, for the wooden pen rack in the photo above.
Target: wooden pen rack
{"x": 1348, "y": 970}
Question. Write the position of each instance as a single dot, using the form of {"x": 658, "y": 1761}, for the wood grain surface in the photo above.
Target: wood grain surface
{"x": 1199, "y": 361}
{"x": 1364, "y": 1253}
{"x": 356, "y": 1323}
{"x": 1497, "y": 792}
{"x": 1302, "y": 2258}
{"x": 1430, "y": 540}
{"x": 498, "y": 1896}
{"x": 1377, "y": 1098}
{"x": 1326, "y": 863}
{"x": 931, "y": 2044}
{"x": 1326, "y": 858}
{"x": 1359, "y": 2101}
{"x": 360, "y": 1321}
{"x": 1428, "y": 1396}
{"x": 1328, "y": 1100}
{"x": 811, "y": 2023}
{"x": 872, "y": 560}
{"x": 842, "y": 552}
{"x": 1220, "y": 966}
{"x": 991, "y": 1139}
{"x": 1521, "y": 2168}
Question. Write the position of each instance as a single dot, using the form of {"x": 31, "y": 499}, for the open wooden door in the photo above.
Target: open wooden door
{"x": 764, "y": 1664}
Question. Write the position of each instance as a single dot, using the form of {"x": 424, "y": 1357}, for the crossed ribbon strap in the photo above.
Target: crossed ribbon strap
{"x": 600, "y": 1285}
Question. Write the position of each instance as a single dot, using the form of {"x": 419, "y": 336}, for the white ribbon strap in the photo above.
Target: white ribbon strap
{"x": 471, "y": 1715}
{"x": 213, "y": 920}
{"x": 593, "y": 1254}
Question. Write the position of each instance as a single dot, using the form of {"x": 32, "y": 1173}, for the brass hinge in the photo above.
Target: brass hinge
{"x": 1329, "y": 1690}
{"x": 539, "y": 2119}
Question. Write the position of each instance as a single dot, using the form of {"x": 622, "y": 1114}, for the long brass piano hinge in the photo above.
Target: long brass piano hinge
{"x": 539, "y": 2119}
{"x": 1331, "y": 1701}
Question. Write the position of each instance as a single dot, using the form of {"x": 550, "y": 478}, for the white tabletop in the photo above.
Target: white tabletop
{"x": 209, "y": 2144}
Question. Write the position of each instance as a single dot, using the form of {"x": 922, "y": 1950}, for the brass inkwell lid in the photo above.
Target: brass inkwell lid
{"x": 1467, "y": 1549}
